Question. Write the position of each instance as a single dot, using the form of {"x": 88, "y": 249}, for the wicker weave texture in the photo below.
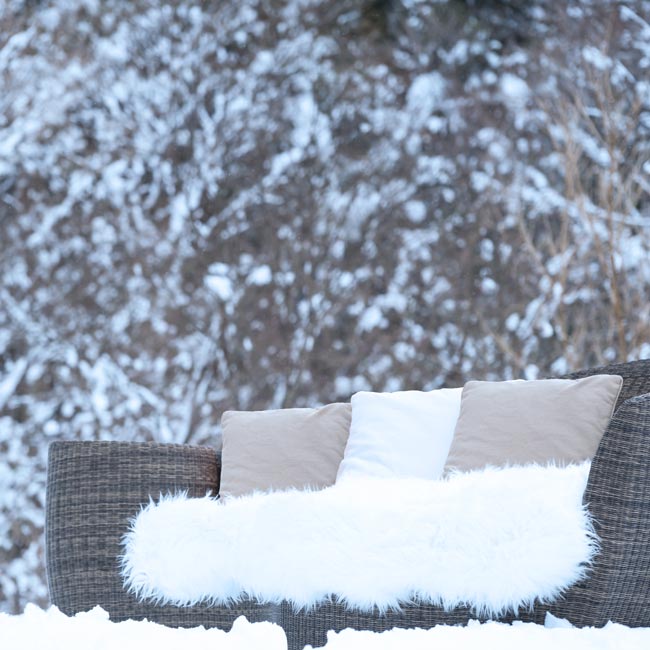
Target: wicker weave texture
{"x": 95, "y": 487}
{"x": 636, "y": 377}
{"x": 618, "y": 496}
{"x": 93, "y": 490}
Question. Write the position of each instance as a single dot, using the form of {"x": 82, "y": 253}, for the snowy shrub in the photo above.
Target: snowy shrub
{"x": 267, "y": 203}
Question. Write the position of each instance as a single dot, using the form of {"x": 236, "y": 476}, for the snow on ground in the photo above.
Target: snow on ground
{"x": 490, "y": 636}
{"x": 39, "y": 629}
{"x": 249, "y": 205}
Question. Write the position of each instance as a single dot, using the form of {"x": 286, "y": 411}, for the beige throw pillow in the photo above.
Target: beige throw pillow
{"x": 273, "y": 450}
{"x": 541, "y": 421}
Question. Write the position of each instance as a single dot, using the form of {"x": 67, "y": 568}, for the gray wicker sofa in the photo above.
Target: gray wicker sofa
{"x": 95, "y": 487}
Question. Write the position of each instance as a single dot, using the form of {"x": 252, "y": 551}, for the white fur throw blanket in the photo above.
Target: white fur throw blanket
{"x": 496, "y": 540}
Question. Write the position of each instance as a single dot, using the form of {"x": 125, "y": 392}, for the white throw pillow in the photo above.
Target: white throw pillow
{"x": 406, "y": 434}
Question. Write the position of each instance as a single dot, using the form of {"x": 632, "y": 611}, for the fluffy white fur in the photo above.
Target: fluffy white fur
{"x": 494, "y": 539}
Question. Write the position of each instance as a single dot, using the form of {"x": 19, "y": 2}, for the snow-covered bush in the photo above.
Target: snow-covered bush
{"x": 266, "y": 203}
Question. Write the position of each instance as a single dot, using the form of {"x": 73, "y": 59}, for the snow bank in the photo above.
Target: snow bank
{"x": 493, "y": 636}
{"x": 39, "y": 629}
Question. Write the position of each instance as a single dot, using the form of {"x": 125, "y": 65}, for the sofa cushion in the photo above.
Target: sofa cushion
{"x": 519, "y": 422}
{"x": 283, "y": 448}
{"x": 405, "y": 434}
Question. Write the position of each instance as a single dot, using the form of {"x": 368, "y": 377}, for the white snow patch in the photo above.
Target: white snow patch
{"x": 10, "y": 381}
{"x": 480, "y": 181}
{"x": 531, "y": 371}
{"x": 37, "y": 629}
{"x": 365, "y": 202}
{"x": 263, "y": 63}
{"x": 512, "y": 322}
{"x": 416, "y": 211}
{"x": 304, "y": 113}
{"x": 260, "y": 275}
{"x": 489, "y": 287}
{"x": 487, "y": 250}
{"x": 596, "y": 57}
{"x": 556, "y": 633}
{"x": 179, "y": 210}
{"x": 371, "y": 318}
{"x": 425, "y": 94}
{"x": 220, "y": 285}
{"x": 515, "y": 90}
{"x": 346, "y": 386}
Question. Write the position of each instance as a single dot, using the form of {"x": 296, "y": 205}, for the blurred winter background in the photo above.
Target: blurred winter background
{"x": 269, "y": 203}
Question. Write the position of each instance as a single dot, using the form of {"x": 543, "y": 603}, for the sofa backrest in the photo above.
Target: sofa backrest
{"x": 636, "y": 377}
{"x": 618, "y": 497}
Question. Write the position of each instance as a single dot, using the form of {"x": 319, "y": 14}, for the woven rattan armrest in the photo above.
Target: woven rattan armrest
{"x": 618, "y": 497}
{"x": 93, "y": 490}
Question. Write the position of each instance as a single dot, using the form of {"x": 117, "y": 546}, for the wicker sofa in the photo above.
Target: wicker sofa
{"x": 95, "y": 487}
